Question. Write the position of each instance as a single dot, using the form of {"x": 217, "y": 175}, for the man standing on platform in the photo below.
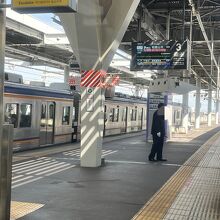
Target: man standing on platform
{"x": 158, "y": 133}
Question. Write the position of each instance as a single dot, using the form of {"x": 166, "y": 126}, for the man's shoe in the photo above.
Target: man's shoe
{"x": 151, "y": 159}
{"x": 162, "y": 160}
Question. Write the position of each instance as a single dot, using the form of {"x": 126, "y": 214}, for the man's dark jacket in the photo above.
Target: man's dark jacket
{"x": 158, "y": 124}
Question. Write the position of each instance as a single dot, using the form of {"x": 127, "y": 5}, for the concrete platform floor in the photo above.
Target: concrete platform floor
{"x": 115, "y": 191}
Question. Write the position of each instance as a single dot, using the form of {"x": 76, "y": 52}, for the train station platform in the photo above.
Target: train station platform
{"x": 50, "y": 184}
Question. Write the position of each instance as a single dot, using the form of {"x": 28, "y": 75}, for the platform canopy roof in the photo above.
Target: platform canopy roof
{"x": 38, "y": 44}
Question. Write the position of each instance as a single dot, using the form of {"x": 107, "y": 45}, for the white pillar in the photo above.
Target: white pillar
{"x": 217, "y": 107}
{"x": 66, "y": 74}
{"x": 198, "y": 104}
{"x": 217, "y": 96}
{"x": 210, "y": 106}
{"x": 185, "y": 120}
{"x": 92, "y": 125}
{"x": 95, "y": 33}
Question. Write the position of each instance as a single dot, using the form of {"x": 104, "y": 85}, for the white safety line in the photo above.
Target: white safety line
{"x": 106, "y": 151}
{"x": 77, "y": 153}
{"x": 29, "y": 181}
{"x": 40, "y": 167}
{"x": 66, "y": 168}
{"x": 171, "y": 164}
{"x": 18, "y": 164}
{"x": 73, "y": 151}
{"x": 15, "y": 177}
{"x": 46, "y": 168}
{"x": 67, "y": 158}
{"x": 127, "y": 162}
{"x": 56, "y": 168}
{"x": 143, "y": 163}
{"x": 29, "y": 162}
{"x": 35, "y": 167}
{"x": 70, "y": 154}
{"x": 31, "y": 166}
{"x": 105, "y": 154}
{"x": 19, "y": 180}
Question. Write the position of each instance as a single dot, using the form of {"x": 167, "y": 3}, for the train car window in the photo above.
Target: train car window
{"x": 73, "y": 116}
{"x": 111, "y": 114}
{"x": 51, "y": 115}
{"x": 74, "y": 113}
{"x": 11, "y": 114}
{"x": 140, "y": 114}
{"x": 25, "y": 115}
{"x": 6, "y": 76}
{"x": 116, "y": 114}
{"x": 131, "y": 114}
{"x": 134, "y": 114}
{"x": 123, "y": 116}
{"x": 43, "y": 115}
{"x": 66, "y": 115}
{"x": 178, "y": 115}
{"x": 51, "y": 111}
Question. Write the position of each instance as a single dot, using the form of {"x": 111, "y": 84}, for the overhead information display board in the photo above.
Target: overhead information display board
{"x": 44, "y": 6}
{"x": 159, "y": 55}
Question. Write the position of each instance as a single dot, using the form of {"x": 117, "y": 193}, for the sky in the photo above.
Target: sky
{"x": 47, "y": 19}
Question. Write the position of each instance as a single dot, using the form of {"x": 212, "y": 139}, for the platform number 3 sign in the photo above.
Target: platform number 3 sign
{"x": 178, "y": 47}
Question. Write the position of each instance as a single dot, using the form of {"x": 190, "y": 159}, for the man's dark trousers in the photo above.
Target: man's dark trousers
{"x": 157, "y": 147}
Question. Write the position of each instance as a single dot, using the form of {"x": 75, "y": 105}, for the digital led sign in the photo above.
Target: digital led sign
{"x": 159, "y": 55}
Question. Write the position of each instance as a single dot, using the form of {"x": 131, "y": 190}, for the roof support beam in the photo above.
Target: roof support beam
{"x": 197, "y": 14}
{"x": 153, "y": 30}
{"x": 199, "y": 62}
{"x": 194, "y": 73}
{"x": 29, "y": 54}
{"x": 165, "y": 16}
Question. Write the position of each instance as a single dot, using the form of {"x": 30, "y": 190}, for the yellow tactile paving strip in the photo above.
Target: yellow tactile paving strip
{"x": 20, "y": 209}
{"x": 160, "y": 203}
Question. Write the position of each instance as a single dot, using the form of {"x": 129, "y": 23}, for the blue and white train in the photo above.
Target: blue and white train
{"x": 44, "y": 116}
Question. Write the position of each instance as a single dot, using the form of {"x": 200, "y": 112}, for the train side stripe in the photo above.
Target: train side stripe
{"x": 35, "y": 92}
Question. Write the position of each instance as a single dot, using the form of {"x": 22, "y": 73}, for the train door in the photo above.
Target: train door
{"x": 105, "y": 119}
{"x": 142, "y": 118}
{"x": 124, "y": 120}
{"x": 47, "y": 123}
